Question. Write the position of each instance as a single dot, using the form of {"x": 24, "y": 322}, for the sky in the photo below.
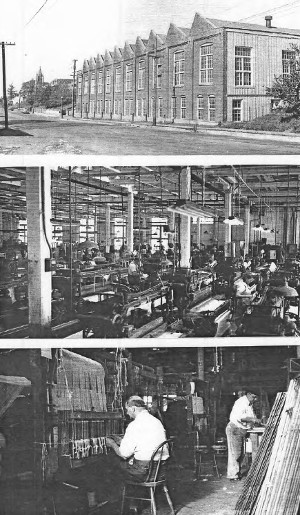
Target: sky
{"x": 64, "y": 30}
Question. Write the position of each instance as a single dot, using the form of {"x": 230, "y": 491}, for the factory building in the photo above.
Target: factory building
{"x": 211, "y": 72}
{"x": 143, "y": 252}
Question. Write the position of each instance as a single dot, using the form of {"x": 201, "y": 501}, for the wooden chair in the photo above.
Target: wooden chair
{"x": 155, "y": 478}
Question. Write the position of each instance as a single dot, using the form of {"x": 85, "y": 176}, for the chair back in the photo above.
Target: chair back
{"x": 156, "y": 461}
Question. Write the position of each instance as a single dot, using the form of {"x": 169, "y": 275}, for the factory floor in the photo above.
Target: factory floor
{"x": 207, "y": 496}
{"x": 69, "y": 494}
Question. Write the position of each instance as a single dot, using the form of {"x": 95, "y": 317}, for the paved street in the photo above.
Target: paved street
{"x": 36, "y": 134}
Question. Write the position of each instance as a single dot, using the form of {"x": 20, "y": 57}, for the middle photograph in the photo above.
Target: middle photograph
{"x": 150, "y": 252}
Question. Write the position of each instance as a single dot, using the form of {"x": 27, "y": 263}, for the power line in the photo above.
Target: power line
{"x": 37, "y": 12}
{"x": 272, "y": 11}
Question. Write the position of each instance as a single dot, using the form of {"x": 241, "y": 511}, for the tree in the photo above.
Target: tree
{"x": 28, "y": 92}
{"x": 11, "y": 92}
{"x": 287, "y": 87}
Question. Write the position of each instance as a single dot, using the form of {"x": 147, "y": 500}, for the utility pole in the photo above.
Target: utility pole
{"x": 155, "y": 59}
{"x": 73, "y": 89}
{"x": 3, "y": 45}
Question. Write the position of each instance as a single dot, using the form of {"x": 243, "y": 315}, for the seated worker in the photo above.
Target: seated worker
{"x": 242, "y": 288}
{"x": 142, "y": 436}
{"x": 242, "y": 418}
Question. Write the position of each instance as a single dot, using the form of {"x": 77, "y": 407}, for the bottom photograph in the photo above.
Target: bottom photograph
{"x": 150, "y": 430}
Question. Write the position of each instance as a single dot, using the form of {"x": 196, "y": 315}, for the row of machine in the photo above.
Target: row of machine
{"x": 224, "y": 296}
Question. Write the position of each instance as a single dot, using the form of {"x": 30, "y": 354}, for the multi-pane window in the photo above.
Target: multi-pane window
{"x": 100, "y": 82}
{"x": 79, "y": 85}
{"x": 98, "y": 107}
{"x": 152, "y": 107}
{"x": 183, "y": 107}
{"x": 242, "y": 66}
{"x": 160, "y": 107}
{"x": 156, "y": 66}
{"x": 118, "y": 79}
{"x": 107, "y": 81}
{"x": 92, "y": 106}
{"x": 117, "y": 107}
{"x": 200, "y": 108}
{"x": 173, "y": 108}
{"x": 93, "y": 83}
{"x": 206, "y": 64}
{"x": 101, "y": 106}
{"x": 128, "y": 78}
{"x": 236, "y": 110}
{"x": 139, "y": 107}
{"x": 86, "y": 86}
{"x": 287, "y": 56}
{"x": 179, "y": 68}
{"x": 128, "y": 106}
{"x": 144, "y": 107}
{"x": 141, "y": 75}
{"x": 107, "y": 106}
{"x": 211, "y": 109}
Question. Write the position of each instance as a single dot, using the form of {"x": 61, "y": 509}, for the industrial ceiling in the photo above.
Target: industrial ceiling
{"x": 79, "y": 192}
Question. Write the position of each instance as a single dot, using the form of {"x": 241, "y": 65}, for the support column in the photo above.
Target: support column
{"x": 247, "y": 229}
{"x": 200, "y": 363}
{"x": 171, "y": 235}
{"x": 198, "y": 235}
{"x": 297, "y": 235}
{"x": 107, "y": 228}
{"x": 38, "y": 203}
{"x": 228, "y": 199}
{"x": 185, "y": 224}
{"x": 130, "y": 221}
{"x": 1, "y": 228}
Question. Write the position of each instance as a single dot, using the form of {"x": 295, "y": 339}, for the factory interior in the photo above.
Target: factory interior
{"x": 60, "y": 406}
{"x": 149, "y": 251}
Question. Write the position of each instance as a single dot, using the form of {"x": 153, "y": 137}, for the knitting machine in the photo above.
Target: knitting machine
{"x": 209, "y": 318}
{"x": 123, "y": 309}
{"x": 189, "y": 287}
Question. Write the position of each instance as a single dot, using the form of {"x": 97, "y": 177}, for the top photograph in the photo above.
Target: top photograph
{"x": 137, "y": 77}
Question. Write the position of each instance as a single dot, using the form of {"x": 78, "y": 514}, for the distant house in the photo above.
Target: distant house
{"x": 214, "y": 71}
{"x": 62, "y": 82}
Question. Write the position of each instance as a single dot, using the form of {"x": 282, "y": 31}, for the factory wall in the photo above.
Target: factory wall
{"x": 187, "y": 75}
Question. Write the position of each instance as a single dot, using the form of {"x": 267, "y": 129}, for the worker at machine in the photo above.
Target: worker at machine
{"x": 142, "y": 436}
{"x": 242, "y": 297}
{"x": 133, "y": 271}
{"x": 242, "y": 418}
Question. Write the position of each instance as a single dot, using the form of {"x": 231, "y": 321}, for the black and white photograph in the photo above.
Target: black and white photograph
{"x": 146, "y": 77}
{"x": 149, "y": 189}
{"x": 163, "y": 430}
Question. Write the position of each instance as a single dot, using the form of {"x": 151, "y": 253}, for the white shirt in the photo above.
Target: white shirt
{"x": 143, "y": 435}
{"x": 241, "y": 409}
{"x": 132, "y": 268}
{"x": 242, "y": 288}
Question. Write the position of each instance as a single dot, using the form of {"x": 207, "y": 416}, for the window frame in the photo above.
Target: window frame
{"x": 206, "y": 64}
{"x": 243, "y": 69}
{"x": 179, "y": 69}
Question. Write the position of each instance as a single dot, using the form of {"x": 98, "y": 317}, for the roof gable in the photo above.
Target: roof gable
{"x": 108, "y": 58}
{"x": 92, "y": 63}
{"x": 128, "y": 52}
{"x": 85, "y": 66}
{"x": 175, "y": 35}
{"x": 117, "y": 56}
{"x": 155, "y": 41}
{"x": 99, "y": 61}
{"x": 201, "y": 25}
{"x": 140, "y": 47}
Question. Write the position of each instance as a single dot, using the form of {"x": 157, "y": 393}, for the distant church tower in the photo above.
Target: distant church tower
{"x": 39, "y": 79}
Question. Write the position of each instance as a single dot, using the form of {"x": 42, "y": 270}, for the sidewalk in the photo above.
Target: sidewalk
{"x": 195, "y": 128}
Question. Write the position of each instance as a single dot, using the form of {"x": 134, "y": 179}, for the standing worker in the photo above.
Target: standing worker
{"x": 242, "y": 418}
